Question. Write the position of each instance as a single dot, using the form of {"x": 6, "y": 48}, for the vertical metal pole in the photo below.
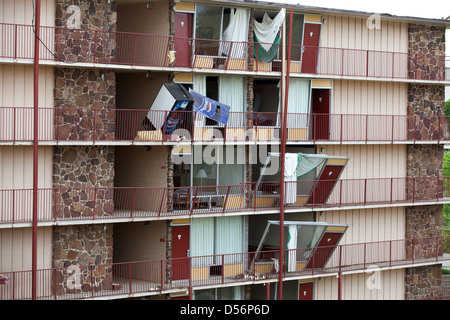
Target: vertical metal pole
{"x": 37, "y": 19}
{"x": 267, "y": 285}
{"x": 340, "y": 274}
{"x": 285, "y": 68}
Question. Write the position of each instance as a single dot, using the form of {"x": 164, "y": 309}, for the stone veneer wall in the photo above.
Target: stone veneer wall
{"x": 422, "y": 224}
{"x": 83, "y": 177}
{"x": 90, "y": 249}
{"x": 90, "y": 40}
{"x": 426, "y": 102}
{"x": 84, "y": 103}
{"x": 424, "y": 167}
{"x": 423, "y": 282}
{"x": 426, "y": 52}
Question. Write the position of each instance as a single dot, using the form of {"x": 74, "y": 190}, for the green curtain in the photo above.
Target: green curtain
{"x": 264, "y": 55}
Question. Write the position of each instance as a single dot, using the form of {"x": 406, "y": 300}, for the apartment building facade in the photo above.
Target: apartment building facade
{"x": 127, "y": 211}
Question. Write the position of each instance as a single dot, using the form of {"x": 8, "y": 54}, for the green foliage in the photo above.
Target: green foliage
{"x": 446, "y": 172}
{"x": 447, "y": 107}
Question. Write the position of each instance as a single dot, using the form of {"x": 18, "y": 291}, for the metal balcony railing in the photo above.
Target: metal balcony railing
{"x": 121, "y": 204}
{"x": 75, "y": 125}
{"x": 136, "y": 49}
{"x": 159, "y": 276}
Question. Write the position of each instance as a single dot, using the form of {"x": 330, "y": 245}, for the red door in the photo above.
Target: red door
{"x": 180, "y": 249}
{"x": 325, "y": 248}
{"x": 183, "y": 34}
{"x": 321, "y": 109}
{"x": 325, "y": 184}
{"x": 311, "y": 36}
{"x": 305, "y": 290}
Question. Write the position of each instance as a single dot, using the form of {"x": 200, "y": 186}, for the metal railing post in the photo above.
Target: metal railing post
{"x": 132, "y": 203}
{"x": 225, "y": 200}
{"x": 130, "y": 288}
{"x": 223, "y": 269}
{"x": 340, "y": 274}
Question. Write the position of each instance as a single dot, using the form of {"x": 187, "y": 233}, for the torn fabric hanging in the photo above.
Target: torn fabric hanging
{"x": 237, "y": 31}
{"x": 267, "y": 36}
{"x": 210, "y": 108}
{"x": 307, "y": 163}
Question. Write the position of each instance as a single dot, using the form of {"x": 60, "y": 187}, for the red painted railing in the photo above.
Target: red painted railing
{"x": 72, "y": 205}
{"x": 137, "y": 49}
{"x": 133, "y": 125}
{"x": 159, "y": 276}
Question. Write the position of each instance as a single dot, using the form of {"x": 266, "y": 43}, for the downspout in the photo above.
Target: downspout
{"x": 284, "y": 96}
{"x": 37, "y": 20}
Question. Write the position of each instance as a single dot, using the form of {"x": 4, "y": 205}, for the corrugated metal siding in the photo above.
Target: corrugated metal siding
{"x": 366, "y": 225}
{"x": 362, "y": 97}
{"x": 15, "y": 248}
{"x": 355, "y": 287}
{"x": 353, "y": 33}
{"x": 370, "y": 161}
{"x": 21, "y": 12}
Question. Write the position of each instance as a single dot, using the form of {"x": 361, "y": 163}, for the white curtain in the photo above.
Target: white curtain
{"x": 202, "y": 241}
{"x": 199, "y": 86}
{"x": 298, "y": 103}
{"x": 267, "y": 30}
{"x": 268, "y": 37}
{"x": 292, "y": 246}
{"x": 237, "y": 31}
{"x": 229, "y": 238}
{"x": 232, "y": 92}
{"x": 290, "y": 177}
{"x": 307, "y": 163}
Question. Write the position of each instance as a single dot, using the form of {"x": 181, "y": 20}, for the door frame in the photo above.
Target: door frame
{"x": 332, "y": 161}
{"x": 188, "y": 271}
{"x": 314, "y": 127}
{"x": 192, "y": 34}
{"x": 303, "y": 43}
{"x": 317, "y": 84}
{"x": 308, "y": 281}
{"x": 311, "y": 262}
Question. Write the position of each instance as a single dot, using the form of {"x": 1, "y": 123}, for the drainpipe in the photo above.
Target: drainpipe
{"x": 37, "y": 19}
{"x": 285, "y": 92}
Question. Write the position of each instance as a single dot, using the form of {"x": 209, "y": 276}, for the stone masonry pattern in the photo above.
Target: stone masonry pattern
{"x": 83, "y": 178}
{"x": 426, "y": 102}
{"x": 424, "y": 169}
{"x": 84, "y": 104}
{"x": 426, "y": 58}
{"x": 423, "y": 282}
{"x": 85, "y": 30}
{"x": 88, "y": 249}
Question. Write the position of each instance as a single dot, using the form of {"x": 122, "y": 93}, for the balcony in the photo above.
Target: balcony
{"x": 143, "y": 278}
{"x": 95, "y": 48}
{"x": 80, "y": 126}
{"x": 65, "y": 206}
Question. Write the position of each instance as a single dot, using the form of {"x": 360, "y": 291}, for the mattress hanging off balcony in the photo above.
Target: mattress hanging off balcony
{"x": 267, "y": 35}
